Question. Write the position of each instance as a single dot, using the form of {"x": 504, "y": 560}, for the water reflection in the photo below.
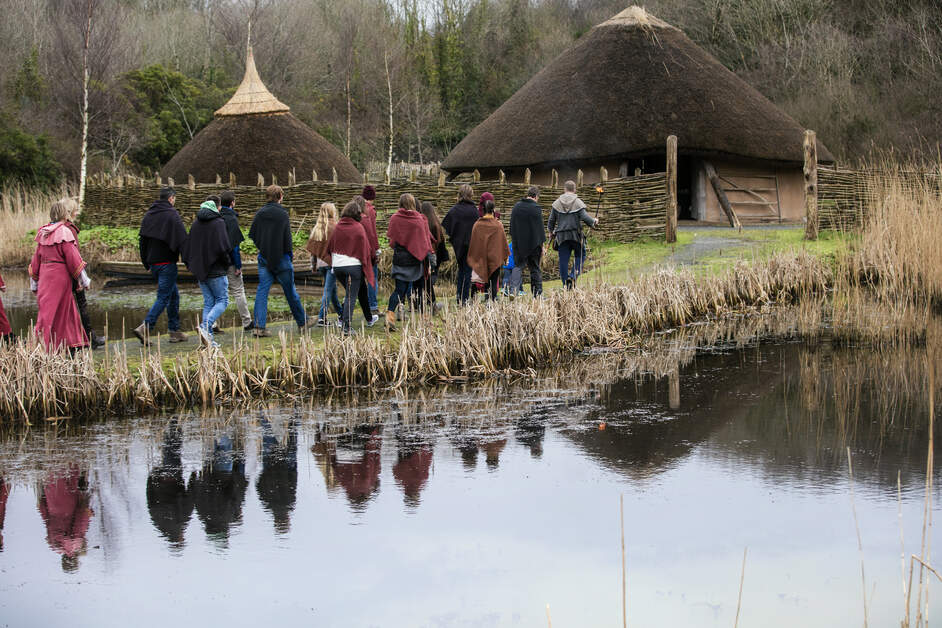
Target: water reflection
{"x": 4, "y": 493}
{"x": 351, "y": 462}
{"x": 277, "y": 482}
{"x": 64, "y": 505}
{"x": 169, "y": 500}
{"x": 219, "y": 489}
{"x": 411, "y": 469}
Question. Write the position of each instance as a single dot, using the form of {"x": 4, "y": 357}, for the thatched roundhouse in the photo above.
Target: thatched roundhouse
{"x": 614, "y": 97}
{"x": 254, "y": 133}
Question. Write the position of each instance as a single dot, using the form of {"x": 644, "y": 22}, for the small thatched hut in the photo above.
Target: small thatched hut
{"x": 254, "y": 133}
{"x": 614, "y": 97}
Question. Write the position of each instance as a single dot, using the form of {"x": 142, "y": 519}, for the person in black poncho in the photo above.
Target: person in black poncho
{"x": 458, "y": 223}
{"x": 206, "y": 253}
{"x": 271, "y": 233}
{"x": 161, "y": 238}
{"x": 528, "y": 236}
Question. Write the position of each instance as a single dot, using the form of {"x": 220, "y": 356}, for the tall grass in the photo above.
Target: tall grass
{"x": 473, "y": 342}
{"x": 23, "y": 210}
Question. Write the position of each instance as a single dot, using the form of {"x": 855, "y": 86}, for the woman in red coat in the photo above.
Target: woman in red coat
{"x": 55, "y": 264}
{"x": 6, "y": 332}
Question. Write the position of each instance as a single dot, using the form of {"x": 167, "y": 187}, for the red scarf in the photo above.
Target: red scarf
{"x": 409, "y": 228}
{"x": 349, "y": 238}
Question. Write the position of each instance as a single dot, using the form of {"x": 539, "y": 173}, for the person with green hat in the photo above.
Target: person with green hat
{"x": 206, "y": 254}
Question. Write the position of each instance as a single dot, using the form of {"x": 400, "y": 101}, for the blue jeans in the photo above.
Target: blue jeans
{"x": 167, "y": 297}
{"x": 463, "y": 281}
{"x": 330, "y": 293}
{"x": 567, "y": 248}
{"x": 400, "y": 294}
{"x": 215, "y": 299}
{"x": 371, "y": 290}
{"x": 285, "y": 276}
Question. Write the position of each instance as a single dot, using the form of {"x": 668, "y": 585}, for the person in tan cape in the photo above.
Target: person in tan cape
{"x": 487, "y": 252}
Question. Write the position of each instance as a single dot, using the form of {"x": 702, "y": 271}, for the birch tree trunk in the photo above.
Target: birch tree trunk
{"x": 389, "y": 90}
{"x": 87, "y": 33}
{"x": 349, "y": 118}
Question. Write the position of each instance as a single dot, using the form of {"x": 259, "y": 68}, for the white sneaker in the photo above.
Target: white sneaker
{"x": 373, "y": 320}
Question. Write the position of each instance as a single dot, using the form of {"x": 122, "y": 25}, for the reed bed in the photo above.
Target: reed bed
{"x": 22, "y": 210}
{"x": 473, "y": 342}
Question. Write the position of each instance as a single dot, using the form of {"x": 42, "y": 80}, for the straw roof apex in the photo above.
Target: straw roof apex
{"x": 252, "y": 97}
{"x": 636, "y": 16}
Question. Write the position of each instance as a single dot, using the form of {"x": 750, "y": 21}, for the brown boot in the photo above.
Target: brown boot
{"x": 142, "y": 333}
{"x": 390, "y": 320}
{"x": 177, "y": 336}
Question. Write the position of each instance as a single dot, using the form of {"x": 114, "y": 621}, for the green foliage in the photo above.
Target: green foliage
{"x": 25, "y": 158}
{"x": 111, "y": 238}
{"x": 170, "y": 108}
{"x": 28, "y": 84}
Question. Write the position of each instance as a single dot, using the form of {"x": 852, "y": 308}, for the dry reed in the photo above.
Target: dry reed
{"x": 23, "y": 210}
{"x": 474, "y": 342}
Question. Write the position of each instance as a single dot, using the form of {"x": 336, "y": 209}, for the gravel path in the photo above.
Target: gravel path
{"x": 705, "y": 244}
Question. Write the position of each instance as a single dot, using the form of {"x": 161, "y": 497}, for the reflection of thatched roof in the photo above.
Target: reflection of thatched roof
{"x": 618, "y": 92}
{"x": 252, "y": 95}
{"x": 255, "y": 133}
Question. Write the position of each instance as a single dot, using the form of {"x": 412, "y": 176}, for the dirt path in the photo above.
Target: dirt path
{"x": 710, "y": 242}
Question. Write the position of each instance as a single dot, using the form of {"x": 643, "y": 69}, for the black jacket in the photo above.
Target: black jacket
{"x": 458, "y": 223}
{"x": 271, "y": 233}
{"x": 526, "y": 228}
{"x": 162, "y": 235}
{"x": 206, "y": 251}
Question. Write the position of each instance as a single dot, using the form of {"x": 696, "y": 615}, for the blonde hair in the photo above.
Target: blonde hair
{"x": 326, "y": 218}
{"x": 407, "y": 201}
{"x": 63, "y": 209}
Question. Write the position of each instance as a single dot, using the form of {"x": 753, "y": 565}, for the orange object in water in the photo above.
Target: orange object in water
{"x": 602, "y": 426}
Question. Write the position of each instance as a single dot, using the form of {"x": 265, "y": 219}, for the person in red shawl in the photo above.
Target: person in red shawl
{"x": 350, "y": 258}
{"x": 6, "y": 332}
{"x": 411, "y": 242}
{"x": 4, "y": 493}
{"x": 487, "y": 252}
{"x": 80, "y": 301}
{"x": 64, "y": 507}
{"x": 55, "y": 264}
{"x": 369, "y": 224}
{"x": 411, "y": 470}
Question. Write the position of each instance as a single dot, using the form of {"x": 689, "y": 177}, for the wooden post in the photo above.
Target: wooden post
{"x": 441, "y": 179}
{"x": 476, "y": 175}
{"x": 334, "y": 170}
{"x": 637, "y": 172}
{"x": 412, "y": 175}
{"x": 157, "y": 179}
{"x": 170, "y": 181}
{"x": 232, "y": 180}
{"x": 673, "y": 394}
{"x": 579, "y": 178}
{"x": 366, "y": 178}
{"x": 811, "y": 185}
{"x": 501, "y": 177}
{"x": 603, "y": 174}
{"x": 218, "y": 179}
{"x": 554, "y": 178}
{"x": 313, "y": 175}
{"x": 721, "y": 195}
{"x": 274, "y": 179}
{"x": 190, "y": 182}
{"x": 261, "y": 180}
{"x": 293, "y": 177}
{"x": 526, "y": 177}
{"x": 670, "y": 228}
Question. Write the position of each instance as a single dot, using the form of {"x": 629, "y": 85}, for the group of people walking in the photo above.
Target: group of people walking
{"x": 344, "y": 250}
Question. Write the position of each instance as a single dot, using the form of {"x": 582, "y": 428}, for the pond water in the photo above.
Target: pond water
{"x": 480, "y": 506}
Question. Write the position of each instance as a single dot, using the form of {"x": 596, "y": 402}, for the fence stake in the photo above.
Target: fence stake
{"x": 811, "y": 185}
{"x": 671, "y": 204}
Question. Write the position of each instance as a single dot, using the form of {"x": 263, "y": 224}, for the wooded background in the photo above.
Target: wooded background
{"x": 863, "y": 73}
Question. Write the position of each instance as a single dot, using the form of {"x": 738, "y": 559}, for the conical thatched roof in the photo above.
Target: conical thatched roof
{"x": 255, "y": 133}
{"x": 619, "y": 91}
{"x": 252, "y": 95}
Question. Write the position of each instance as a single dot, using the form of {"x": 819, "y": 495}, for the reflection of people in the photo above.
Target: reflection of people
{"x": 360, "y": 480}
{"x": 492, "y": 449}
{"x": 411, "y": 470}
{"x": 277, "y": 484}
{"x": 530, "y": 432}
{"x": 4, "y": 493}
{"x": 169, "y": 501}
{"x": 64, "y": 507}
{"x": 219, "y": 490}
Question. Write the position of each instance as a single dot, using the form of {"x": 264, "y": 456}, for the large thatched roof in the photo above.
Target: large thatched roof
{"x": 619, "y": 91}
{"x": 255, "y": 133}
